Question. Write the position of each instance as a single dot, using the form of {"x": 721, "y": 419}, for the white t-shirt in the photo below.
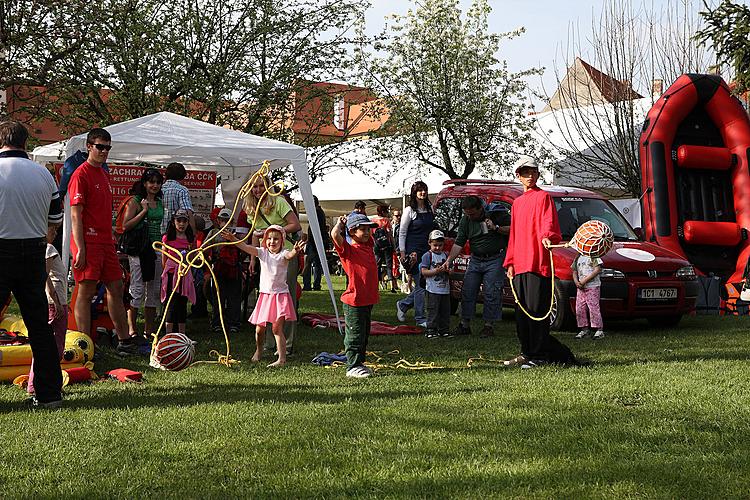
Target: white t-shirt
{"x": 438, "y": 284}
{"x": 584, "y": 267}
{"x": 57, "y": 275}
{"x": 273, "y": 268}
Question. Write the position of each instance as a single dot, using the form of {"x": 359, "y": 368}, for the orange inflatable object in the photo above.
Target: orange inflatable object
{"x": 593, "y": 238}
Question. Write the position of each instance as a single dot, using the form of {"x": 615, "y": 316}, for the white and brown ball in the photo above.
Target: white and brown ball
{"x": 175, "y": 351}
{"x": 594, "y": 239}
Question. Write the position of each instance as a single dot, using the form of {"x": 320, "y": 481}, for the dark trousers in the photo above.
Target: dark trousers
{"x": 177, "y": 312}
{"x": 23, "y": 273}
{"x": 357, "y": 319}
{"x": 230, "y": 290}
{"x": 535, "y": 292}
{"x": 438, "y": 309}
{"x": 312, "y": 267}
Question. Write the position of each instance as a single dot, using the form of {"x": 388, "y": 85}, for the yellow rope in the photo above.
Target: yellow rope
{"x": 380, "y": 364}
{"x": 551, "y": 302}
{"x": 196, "y": 259}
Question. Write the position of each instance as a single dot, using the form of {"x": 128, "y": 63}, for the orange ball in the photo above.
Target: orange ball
{"x": 594, "y": 239}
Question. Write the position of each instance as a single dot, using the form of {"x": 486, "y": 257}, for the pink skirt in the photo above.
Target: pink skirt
{"x": 272, "y": 306}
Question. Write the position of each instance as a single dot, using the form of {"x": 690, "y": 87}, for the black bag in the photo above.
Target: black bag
{"x": 382, "y": 241}
{"x": 133, "y": 242}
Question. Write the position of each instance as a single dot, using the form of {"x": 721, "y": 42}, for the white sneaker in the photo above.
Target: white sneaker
{"x": 582, "y": 333}
{"x": 359, "y": 371}
{"x": 422, "y": 324}
{"x": 400, "y": 315}
{"x": 599, "y": 334}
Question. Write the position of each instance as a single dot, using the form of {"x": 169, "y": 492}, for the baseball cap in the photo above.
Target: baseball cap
{"x": 436, "y": 234}
{"x": 524, "y": 162}
{"x": 355, "y": 220}
{"x": 225, "y": 213}
{"x": 181, "y": 213}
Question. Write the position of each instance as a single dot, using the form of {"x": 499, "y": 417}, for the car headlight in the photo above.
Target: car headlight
{"x": 686, "y": 273}
{"x": 612, "y": 274}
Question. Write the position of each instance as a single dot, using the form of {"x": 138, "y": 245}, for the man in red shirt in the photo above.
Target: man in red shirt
{"x": 94, "y": 257}
{"x": 358, "y": 260}
{"x": 533, "y": 229}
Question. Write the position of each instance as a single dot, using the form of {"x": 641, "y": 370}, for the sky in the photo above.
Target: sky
{"x": 548, "y": 24}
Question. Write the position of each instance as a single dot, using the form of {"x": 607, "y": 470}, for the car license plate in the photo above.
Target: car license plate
{"x": 657, "y": 293}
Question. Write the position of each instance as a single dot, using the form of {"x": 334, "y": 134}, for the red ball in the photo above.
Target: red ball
{"x": 175, "y": 351}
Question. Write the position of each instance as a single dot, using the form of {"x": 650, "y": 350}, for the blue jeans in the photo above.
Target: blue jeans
{"x": 415, "y": 299}
{"x": 491, "y": 274}
{"x": 313, "y": 269}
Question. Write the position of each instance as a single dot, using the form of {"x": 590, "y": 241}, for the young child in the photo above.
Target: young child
{"x": 437, "y": 299}
{"x": 275, "y": 304}
{"x": 57, "y": 298}
{"x": 226, "y": 263}
{"x": 358, "y": 261}
{"x": 586, "y": 278}
{"x": 180, "y": 237}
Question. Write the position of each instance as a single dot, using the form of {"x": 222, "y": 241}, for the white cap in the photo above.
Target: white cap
{"x": 524, "y": 161}
{"x": 436, "y": 234}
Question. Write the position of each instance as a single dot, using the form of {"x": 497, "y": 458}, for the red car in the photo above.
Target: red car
{"x": 639, "y": 279}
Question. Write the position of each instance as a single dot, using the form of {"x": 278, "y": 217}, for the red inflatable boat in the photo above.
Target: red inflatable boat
{"x": 694, "y": 149}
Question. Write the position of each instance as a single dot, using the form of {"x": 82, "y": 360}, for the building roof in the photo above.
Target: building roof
{"x": 584, "y": 85}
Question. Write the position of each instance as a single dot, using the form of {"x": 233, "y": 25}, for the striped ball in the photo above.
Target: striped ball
{"x": 175, "y": 351}
{"x": 594, "y": 239}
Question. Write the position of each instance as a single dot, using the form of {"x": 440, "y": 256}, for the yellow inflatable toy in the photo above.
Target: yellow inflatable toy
{"x": 15, "y": 360}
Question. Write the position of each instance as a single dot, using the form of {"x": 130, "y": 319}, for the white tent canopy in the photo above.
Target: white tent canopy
{"x": 164, "y": 137}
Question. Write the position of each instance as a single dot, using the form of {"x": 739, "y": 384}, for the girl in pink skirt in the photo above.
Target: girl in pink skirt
{"x": 274, "y": 304}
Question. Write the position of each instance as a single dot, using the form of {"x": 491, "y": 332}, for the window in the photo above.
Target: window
{"x": 447, "y": 214}
{"x": 572, "y": 212}
{"x": 338, "y": 112}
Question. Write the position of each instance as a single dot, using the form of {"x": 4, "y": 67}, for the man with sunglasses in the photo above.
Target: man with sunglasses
{"x": 93, "y": 250}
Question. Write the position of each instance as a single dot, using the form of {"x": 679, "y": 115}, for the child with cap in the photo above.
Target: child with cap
{"x": 434, "y": 269}
{"x": 275, "y": 304}
{"x": 180, "y": 239}
{"x": 358, "y": 261}
{"x": 226, "y": 263}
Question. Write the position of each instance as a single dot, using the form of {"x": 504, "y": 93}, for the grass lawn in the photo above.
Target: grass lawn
{"x": 662, "y": 414}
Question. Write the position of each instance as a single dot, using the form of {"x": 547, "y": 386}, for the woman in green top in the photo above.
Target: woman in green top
{"x": 275, "y": 210}
{"x": 145, "y": 208}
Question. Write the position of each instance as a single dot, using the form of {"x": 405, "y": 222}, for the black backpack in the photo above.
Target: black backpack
{"x": 381, "y": 240}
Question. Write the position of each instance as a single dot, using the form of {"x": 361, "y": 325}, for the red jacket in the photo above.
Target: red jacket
{"x": 533, "y": 217}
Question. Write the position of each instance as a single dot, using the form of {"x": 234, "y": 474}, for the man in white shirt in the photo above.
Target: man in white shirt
{"x": 29, "y": 201}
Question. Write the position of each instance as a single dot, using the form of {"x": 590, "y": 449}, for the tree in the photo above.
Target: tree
{"x": 598, "y": 111}
{"x": 728, "y": 29}
{"x": 452, "y": 104}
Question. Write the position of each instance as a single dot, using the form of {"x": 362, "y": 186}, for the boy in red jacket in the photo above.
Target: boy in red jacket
{"x": 358, "y": 261}
{"x": 533, "y": 228}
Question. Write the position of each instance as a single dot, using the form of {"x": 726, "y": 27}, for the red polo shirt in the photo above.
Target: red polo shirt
{"x": 89, "y": 187}
{"x": 358, "y": 262}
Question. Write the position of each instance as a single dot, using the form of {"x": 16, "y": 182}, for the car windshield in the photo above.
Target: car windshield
{"x": 572, "y": 212}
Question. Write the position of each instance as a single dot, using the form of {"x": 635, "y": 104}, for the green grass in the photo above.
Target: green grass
{"x": 661, "y": 414}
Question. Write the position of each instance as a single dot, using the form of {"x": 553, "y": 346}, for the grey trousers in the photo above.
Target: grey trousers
{"x": 438, "y": 309}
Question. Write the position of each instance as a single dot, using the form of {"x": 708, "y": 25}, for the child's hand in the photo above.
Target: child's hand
{"x": 229, "y": 236}
{"x": 299, "y": 246}
{"x": 342, "y": 220}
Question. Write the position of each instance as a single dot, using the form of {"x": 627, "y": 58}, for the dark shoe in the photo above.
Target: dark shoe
{"x": 393, "y": 290}
{"x": 446, "y": 335}
{"x": 234, "y": 330}
{"x": 140, "y": 340}
{"x": 216, "y": 329}
{"x": 463, "y": 330}
{"x": 518, "y": 360}
{"x": 316, "y": 289}
{"x": 127, "y": 348}
{"x": 431, "y": 334}
{"x": 35, "y": 404}
{"x": 487, "y": 332}
{"x": 306, "y": 289}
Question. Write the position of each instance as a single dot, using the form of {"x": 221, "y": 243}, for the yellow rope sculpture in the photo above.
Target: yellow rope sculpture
{"x": 196, "y": 259}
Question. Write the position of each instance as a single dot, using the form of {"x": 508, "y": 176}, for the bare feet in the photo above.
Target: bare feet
{"x": 277, "y": 364}
{"x": 256, "y": 357}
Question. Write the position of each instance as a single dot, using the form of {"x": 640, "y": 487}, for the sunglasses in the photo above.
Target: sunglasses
{"x": 102, "y": 147}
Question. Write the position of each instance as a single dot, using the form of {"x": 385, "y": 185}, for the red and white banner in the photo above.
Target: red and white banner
{"x": 200, "y": 183}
